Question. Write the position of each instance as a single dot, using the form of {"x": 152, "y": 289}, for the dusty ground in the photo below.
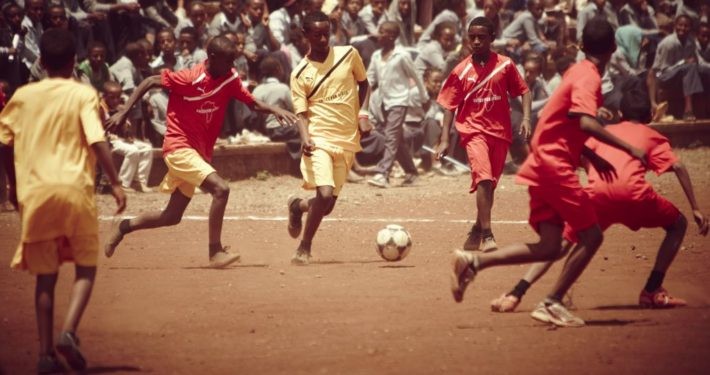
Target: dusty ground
{"x": 155, "y": 309}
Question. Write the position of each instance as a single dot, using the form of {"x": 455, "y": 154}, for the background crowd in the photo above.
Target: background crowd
{"x": 662, "y": 46}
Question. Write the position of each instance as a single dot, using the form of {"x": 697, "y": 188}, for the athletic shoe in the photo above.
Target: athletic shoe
{"x": 505, "y": 303}
{"x": 379, "y": 180}
{"x": 295, "y": 215}
{"x": 410, "y": 179}
{"x": 144, "y": 188}
{"x": 113, "y": 241}
{"x": 489, "y": 243}
{"x": 223, "y": 258}
{"x": 354, "y": 177}
{"x": 462, "y": 273}
{"x": 660, "y": 299}
{"x": 68, "y": 347}
{"x": 473, "y": 241}
{"x": 301, "y": 258}
{"x": 553, "y": 312}
{"x": 50, "y": 365}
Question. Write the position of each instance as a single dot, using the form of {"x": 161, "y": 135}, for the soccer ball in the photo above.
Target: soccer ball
{"x": 393, "y": 243}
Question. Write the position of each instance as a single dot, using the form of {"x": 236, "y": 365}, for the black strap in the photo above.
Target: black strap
{"x": 328, "y": 74}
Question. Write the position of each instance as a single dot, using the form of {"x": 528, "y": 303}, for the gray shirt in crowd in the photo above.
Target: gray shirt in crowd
{"x": 273, "y": 92}
{"x": 672, "y": 52}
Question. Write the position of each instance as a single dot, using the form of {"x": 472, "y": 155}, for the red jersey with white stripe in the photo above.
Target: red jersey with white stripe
{"x": 558, "y": 140}
{"x": 196, "y": 107}
{"x": 479, "y": 94}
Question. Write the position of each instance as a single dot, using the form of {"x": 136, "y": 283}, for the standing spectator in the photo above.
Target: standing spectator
{"x": 477, "y": 91}
{"x": 676, "y": 65}
{"x": 32, "y": 27}
{"x": 404, "y": 14}
{"x": 127, "y": 71}
{"x": 423, "y": 122}
{"x": 435, "y": 53}
{"x": 351, "y": 23}
{"x": 280, "y": 21}
{"x": 12, "y": 68}
{"x": 371, "y": 14}
{"x": 390, "y": 72}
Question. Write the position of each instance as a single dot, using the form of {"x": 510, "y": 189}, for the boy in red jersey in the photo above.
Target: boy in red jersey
{"x": 196, "y": 106}
{"x": 630, "y": 200}
{"x": 478, "y": 90}
{"x": 556, "y": 195}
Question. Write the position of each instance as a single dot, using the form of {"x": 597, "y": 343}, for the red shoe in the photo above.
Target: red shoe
{"x": 505, "y": 303}
{"x": 660, "y": 299}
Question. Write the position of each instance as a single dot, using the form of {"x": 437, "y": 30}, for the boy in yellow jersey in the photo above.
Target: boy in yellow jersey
{"x": 57, "y": 136}
{"x": 328, "y": 87}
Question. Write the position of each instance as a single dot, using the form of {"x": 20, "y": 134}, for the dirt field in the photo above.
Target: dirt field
{"x": 156, "y": 309}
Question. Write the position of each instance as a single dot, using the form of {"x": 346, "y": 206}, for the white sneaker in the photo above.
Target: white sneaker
{"x": 301, "y": 258}
{"x": 223, "y": 258}
{"x": 379, "y": 180}
{"x": 549, "y": 311}
{"x": 462, "y": 273}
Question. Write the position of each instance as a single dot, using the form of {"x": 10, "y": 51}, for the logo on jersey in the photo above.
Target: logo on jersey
{"x": 208, "y": 108}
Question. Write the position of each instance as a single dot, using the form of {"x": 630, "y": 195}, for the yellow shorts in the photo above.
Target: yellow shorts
{"x": 186, "y": 170}
{"x": 45, "y": 257}
{"x": 325, "y": 168}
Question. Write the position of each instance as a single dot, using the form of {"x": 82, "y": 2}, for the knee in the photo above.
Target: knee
{"x": 592, "y": 238}
{"x": 221, "y": 191}
{"x": 329, "y": 208}
{"x": 679, "y": 226}
{"x": 170, "y": 218}
{"x": 550, "y": 249}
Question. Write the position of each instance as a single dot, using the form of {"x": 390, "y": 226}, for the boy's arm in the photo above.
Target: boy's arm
{"x": 525, "y": 128}
{"x": 443, "y": 147}
{"x": 591, "y": 126}
{"x": 103, "y": 155}
{"x": 7, "y": 157}
{"x": 684, "y": 178}
{"x": 119, "y": 117}
{"x": 363, "y": 117}
{"x": 606, "y": 171}
{"x": 283, "y": 116}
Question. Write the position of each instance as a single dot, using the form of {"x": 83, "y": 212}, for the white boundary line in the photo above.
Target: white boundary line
{"x": 337, "y": 219}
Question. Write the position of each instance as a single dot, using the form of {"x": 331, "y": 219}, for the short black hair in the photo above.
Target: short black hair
{"x": 429, "y": 71}
{"x": 687, "y": 17}
{"x": 635, "y": 105}
{"x": 485, "y": 22}
{"x": 598, "y": 37}
{"x": 392, "y": 24}
{"x": 57, "y": 49}
{"x": 220, "y": 45}
{"x": 314, "y": 17}
{"x": 192, "y": 31}
{"x": 441, "y": 27}
{"x": 95, "y": 44}
{"x": 270, "y": 67}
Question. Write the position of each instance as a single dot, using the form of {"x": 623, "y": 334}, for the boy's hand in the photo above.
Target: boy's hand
{"x": 364, "y": 125}
{"x": 284, "y": 117}
{"x": 116, "y": 120}
{"x": 702, "y": 222}
{"x": 441, "y": 149}
{"x": 307, "y": 146}
{"x": 120, "y": 196}
{"x": 606, "y": 171}
{"x": 525, "y": 129}
{"x": 605, "y": 114}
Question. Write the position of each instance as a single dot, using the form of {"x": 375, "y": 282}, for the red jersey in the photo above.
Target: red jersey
{"x": 631, "y": 183}
{"x": 479, "y": 94}
{"x": 196, "y": 107}
{"x": 558, "y": 139}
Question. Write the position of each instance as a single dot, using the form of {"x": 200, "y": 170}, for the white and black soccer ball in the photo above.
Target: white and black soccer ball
{"x": 393, "y": 243}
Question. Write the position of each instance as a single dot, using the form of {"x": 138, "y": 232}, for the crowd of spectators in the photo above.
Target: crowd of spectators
{"x": 663, "y": 47}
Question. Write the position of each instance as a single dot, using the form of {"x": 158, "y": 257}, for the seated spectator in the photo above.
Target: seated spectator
{"x": 168, "y": 57}
{"x": 639, "y": 13}
{"x": 351, "y": 23}
{"x": 95, "y": 67}
{"x": 197, "y": 19}
{"x": 676, "y": 65}
{"x": 532, "y": 71}
{"x": 12, "y": 68}
{"x": 157, "y": 111}
{"x": 435, "y": 53}
{"x": 422, "y": 126}
{"x": 404, "y": 14}
{"x": 596, "y": 8}
{"x": 127, "y": 72}
{"x": 298, "y": 47}
{"x": 690, "y": 8}
{"x": 190, "y": 49}
{"x": 280, "y": 20}
{"x": 525, "y": 31}
{"x": 254, "y": 25}
{"x": 453, "y": 11}
{"x": 158, "y": 14}
{"x": 489, "y": 9}
{"x": 137, "y": 155}
{"x": 227, "y": 19}
{"x": 271, "y": 90}
{"x": 371, "y": 14}
{"x": 561, "y": 65}
{"x": 629, "y": 59}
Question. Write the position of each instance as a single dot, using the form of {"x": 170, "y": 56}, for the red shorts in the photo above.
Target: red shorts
{"x": 486, "y": 155}
{"x": 651, "y": 211}
{"x": 562, "y": 206}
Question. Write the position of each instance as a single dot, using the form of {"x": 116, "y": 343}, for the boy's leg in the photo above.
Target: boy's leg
{"x": 317, "y": 208}
{"x": 394, "y": 122}
{"x": 653, "y": 294}
{"x": 68, "y": 342}
{"x": 44, "y": 307}
{"x": 171, "y": 215}
{"x": 215, "y": 185}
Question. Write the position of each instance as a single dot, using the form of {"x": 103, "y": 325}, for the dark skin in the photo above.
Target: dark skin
{"x": 480, "y": 39}
{"x": 85, "y": 275}
{"x": 318, "y": 35}
{"x": 218, "y": 65}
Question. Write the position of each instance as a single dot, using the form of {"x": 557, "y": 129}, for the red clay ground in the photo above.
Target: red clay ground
{"x": 155, "y": 309}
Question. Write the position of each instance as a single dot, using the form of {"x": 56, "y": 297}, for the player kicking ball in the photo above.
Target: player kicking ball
{"x": 556, "y": 194}
{"x": 630, "y": 200}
